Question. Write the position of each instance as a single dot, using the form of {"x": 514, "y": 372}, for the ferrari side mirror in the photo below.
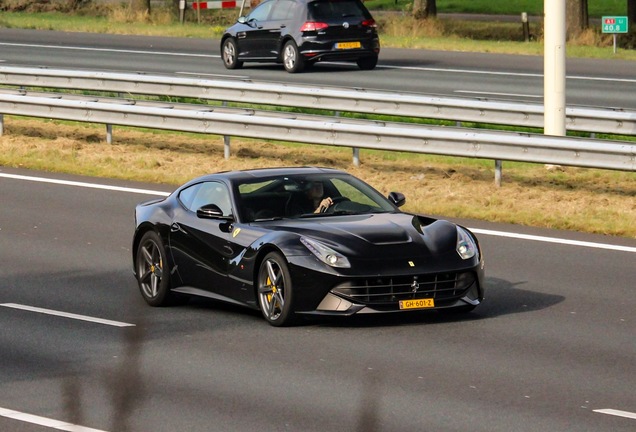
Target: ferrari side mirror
{"x": 397, "y": 198}
{"x": 212, "y": 211}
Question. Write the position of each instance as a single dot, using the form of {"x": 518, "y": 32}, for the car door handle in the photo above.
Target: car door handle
{"x": 283, "y": 26}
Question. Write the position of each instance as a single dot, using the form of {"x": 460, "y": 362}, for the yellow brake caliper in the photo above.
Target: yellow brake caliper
{"x": 270, "y": 295}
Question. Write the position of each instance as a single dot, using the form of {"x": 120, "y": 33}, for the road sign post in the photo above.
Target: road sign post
{"x": 615, "y": 25}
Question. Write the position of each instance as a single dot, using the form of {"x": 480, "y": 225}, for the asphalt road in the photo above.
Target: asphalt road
{"x": 553, "y": 343}
{"x": 607, "y": 83}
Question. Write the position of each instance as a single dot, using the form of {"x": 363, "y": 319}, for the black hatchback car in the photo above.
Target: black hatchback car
{"x": 298, "y": 33}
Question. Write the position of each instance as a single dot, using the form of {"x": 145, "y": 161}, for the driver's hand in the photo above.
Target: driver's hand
{"x": 324, "y": 205}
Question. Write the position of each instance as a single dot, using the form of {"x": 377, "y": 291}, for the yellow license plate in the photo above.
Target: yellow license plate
{"x": 417, "y": 304}
{"x": 348, "y": 45}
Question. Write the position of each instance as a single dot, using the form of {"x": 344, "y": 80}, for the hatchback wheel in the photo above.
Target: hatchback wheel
{"x": 367, "y": 63}
{"x": 230, "y": 54}
{"x": 292, "y": 60}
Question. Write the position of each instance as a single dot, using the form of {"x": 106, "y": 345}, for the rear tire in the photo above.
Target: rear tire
{"x": 367, "y": 63}
{"x": 153, "y": 272}
{"x": 229, "y": 54}
{"x": 292, "y": 60}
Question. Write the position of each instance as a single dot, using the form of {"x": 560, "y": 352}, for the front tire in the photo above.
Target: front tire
{"x": 229, "y": 53}
{"x": 275, "y": 292}
{"x": 153, "y": 273}
{"x": 292, "y": 60}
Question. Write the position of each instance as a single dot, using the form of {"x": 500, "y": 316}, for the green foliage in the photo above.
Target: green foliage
{"x": 597, "y": 8}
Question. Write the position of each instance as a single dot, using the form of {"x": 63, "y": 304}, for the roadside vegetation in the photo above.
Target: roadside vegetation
{"x": 585, "y": 200}
{"x": 396, "y": 25}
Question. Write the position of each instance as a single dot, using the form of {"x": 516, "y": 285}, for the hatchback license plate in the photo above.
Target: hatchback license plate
{"x": 417, "y": 304}
{"x": 348, "y": 45}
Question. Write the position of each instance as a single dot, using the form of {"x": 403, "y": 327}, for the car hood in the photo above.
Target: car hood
{"x": 378, "y": 235}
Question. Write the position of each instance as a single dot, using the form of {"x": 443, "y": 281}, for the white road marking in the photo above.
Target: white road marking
{"x": 617, "y": 413}
{"x": 243, "y": 77}
{"x": 46, "y": 422}
{"x": 554, "y": 240}
{"x": 83, "y": 184}
{"x": 497, "y": 94}
{"x": 66, "y": 315}
{"x": 475, "y": 230}
{"x": 515, "y": 74}
{"x": 109, "y": 50}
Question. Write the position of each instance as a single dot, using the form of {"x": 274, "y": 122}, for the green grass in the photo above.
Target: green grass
{"x": 596, "y": 8}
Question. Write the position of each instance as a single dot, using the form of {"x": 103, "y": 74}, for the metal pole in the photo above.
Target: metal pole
{"x": 109, "y": 134}
{"x": 498, "y": 172}
{"x": 182, "y": 6}
{"x": 554, "y": 68}
{"x": 356, "y": 150}
{"x": 614, "y": 42}
{"x": 526, "y": 26}
{"x": 242, "y": 7}
{"x": 1, "y": 124}
{"x": 226, "y": 140}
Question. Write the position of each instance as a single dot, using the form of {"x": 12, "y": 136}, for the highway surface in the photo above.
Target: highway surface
{"x": 552, "y": 348}
{"x": 607, "y": 83}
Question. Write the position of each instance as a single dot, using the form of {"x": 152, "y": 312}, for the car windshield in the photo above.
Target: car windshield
{"x": 299, "y": 196}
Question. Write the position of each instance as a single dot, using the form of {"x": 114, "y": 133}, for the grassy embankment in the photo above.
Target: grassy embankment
{"x": 575, "y": 199}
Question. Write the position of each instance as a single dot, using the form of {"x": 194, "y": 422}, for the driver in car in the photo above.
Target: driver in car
{"x": 312, "y": 201}
{"x": 315, "y": 193}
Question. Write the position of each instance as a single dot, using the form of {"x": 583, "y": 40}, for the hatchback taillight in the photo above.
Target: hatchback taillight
{"x": 369, "y": 23}
{"x": 313, "y": 26}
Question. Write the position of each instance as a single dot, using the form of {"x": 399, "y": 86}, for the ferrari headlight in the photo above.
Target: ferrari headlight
{"x": 466, "y": 246}
{"x": 325, "y": 254}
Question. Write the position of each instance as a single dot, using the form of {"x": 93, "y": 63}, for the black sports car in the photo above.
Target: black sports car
{"x": 299, "y": 33}
{"x": 302, "y": 241}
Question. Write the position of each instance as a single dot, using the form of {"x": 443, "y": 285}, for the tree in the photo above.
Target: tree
{"x": 576, "y": 17}
{"x": 423, "y": 9}
{"x": 140, "y": 6}
{"x": 631, "y": 15}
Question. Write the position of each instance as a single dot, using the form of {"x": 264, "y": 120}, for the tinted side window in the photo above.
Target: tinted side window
{"x": 261, "y": 12}
{"x": 196, "y": 196}
{"x": 284, "y": 10}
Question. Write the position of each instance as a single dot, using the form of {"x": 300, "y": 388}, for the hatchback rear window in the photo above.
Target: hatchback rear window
{"x": 330, "y": 10}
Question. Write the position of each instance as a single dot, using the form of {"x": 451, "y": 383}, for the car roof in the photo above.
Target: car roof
{"x": 252, "y": 174}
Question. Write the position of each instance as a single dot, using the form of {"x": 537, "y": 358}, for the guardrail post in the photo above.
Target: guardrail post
{"x": 1, "y": 124}
{"x": 526, "y": 26}
{"x": 182, "y": 6}
{"x": 355, "y": 150}
{"x": 498, "y": 172}
{"x": 109, "y": 133}
{"x": 226, "y": 140}
{"x": 356, "y": 157}
{"x": 226, "y": 147}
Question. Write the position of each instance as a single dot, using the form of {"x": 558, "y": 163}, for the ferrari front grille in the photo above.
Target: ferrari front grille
{"x": 383, "y": 290}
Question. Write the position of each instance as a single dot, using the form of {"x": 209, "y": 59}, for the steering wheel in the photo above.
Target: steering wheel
{"x": 335, "y": 201}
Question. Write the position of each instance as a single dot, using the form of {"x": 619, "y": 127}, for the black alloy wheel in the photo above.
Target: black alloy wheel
{"x": 153, "y": 274}
{"x": 275, "y": 293}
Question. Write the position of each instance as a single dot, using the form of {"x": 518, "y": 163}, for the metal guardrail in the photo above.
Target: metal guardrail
{"x": 587, "y": 119}
{"x": 616, "y": 155}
